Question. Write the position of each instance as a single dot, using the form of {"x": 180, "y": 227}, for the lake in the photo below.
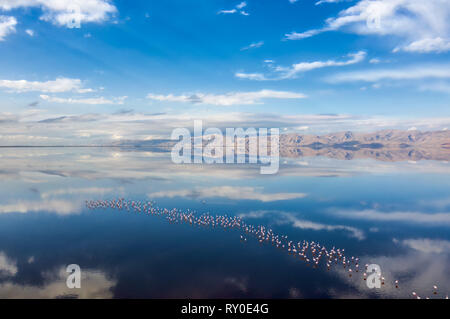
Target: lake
{"x": 393, "y": 214}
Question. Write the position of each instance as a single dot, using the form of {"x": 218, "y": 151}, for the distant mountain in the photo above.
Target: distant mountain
{"x": 387, "y": 138}
{"x": 387, "y": 145}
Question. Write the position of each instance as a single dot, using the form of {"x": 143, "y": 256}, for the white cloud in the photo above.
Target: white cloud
{"x": 426, "y": 46}
{"x": 92, "y": 101}
{"x": 253, "y": 46}
{"x": 409, "y": 73}
{"x": 303, "y": 35}
{"x": 329, "y": 1}
{"x": 282, "y": 73}
{"x": 34, "y": 129}
{"x": 241, "y": 5}
{"x": 66, "y": 12}
{"x": 251, "y": 76}
{"x": 411, "y": 21}
{"x": 233, "y": 98}
{"x": 29, "y": 32}
{"x": 227, "y": 11}
{"x": 7, "y": 26}
{"x": 441, "y": 87}
{"x": 237, "y": 8}
{"x": 57, "y": 86}
{"x": 230, "y": 192}
{"x": 308, "y": 66}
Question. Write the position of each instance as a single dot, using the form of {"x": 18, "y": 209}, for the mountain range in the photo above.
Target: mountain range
{"x": 386, "y": 145}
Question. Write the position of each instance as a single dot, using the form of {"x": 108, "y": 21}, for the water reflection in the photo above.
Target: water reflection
{"x": 95, "y": 286}
{"x": 395, "y": 214}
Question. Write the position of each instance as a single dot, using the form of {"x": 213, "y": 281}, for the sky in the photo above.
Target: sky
{"x": 91, "y": 71}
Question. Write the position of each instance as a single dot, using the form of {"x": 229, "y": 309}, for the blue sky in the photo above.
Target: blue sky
{"x": 371, "y": 64}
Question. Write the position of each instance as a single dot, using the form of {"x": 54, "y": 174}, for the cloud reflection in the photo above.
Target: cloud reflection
{"x": 94, "y": 285}
{"x": 286, "y": 217}
{"x": 230, "y": 192}
{"x": 8, "y": 267}
{"x": 396, "y": 216}
{"x": 426, "y": 245}
{"x": 416, "y": 272}
{"x": 60, "y": 207}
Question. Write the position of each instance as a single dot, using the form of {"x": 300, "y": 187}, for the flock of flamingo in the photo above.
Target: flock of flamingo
{"x": 308, "y": 251}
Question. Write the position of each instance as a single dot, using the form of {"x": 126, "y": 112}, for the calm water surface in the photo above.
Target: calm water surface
{"x": 394, "y": 214}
